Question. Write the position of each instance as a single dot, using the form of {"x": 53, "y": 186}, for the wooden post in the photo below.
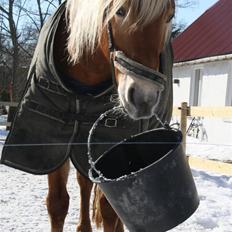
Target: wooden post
{"x": 183, "y": 122}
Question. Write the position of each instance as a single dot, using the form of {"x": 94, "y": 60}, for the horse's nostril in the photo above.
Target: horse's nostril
{"x": 131, "y": 95}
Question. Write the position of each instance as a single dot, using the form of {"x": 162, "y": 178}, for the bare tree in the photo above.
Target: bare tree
{"x": 38, "y": 14}
{"x": 185, "y": 3}
{"x": 20, "y": 24}
{"x": 178, "y": 27}
{"x": 9, "y": 27}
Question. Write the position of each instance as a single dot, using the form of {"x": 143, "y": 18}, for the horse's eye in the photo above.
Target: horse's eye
{"x": 121, "y": 12}
{"x": 170, "y": 18}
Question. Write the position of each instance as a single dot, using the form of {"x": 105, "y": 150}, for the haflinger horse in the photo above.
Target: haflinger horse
{"x": 96, "y": 41}
{"x": 139, "y": 29}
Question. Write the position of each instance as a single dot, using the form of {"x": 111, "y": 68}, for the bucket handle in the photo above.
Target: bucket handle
{"x": 101, "y": 178}
{"x": 89, "y": 142}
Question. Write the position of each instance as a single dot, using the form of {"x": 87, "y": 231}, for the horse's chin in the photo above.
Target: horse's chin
{"x": 139, "y": 117}
{"x": 136, "y": 114}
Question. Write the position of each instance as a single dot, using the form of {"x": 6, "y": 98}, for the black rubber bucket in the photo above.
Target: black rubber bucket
{"x": 148, "y": 181}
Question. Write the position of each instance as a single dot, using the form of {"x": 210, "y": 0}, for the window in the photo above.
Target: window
{"x": 195, "y": 88}
{"x": 229, "y": 89}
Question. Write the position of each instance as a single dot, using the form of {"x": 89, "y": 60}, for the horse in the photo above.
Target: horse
{"x": 95, "y": 42}
{"x": 140, "y": 29}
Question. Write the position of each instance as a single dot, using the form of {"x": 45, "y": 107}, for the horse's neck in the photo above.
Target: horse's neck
{"x": 90, "y": 70}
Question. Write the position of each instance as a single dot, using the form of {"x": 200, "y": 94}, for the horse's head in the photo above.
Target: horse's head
{"x": 138, "y": 30}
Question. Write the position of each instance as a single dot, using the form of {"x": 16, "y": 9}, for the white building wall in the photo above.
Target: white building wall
{"x": 214, "y": 83}
{"x": 181, "y": 91}
{"x": 213, "y": 88}
{"x": 219, "y": 130}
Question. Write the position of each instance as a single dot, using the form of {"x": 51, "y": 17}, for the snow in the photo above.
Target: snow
{"x": 23, "y": 209}
{"x": 213, "y": 151}
{"x": 214, "y": 144}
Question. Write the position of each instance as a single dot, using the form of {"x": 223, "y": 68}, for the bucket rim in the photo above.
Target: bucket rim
{"x": 102, "y": 179}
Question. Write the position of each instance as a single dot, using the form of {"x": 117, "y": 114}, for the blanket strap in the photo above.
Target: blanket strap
{"x": 68, "y": 117}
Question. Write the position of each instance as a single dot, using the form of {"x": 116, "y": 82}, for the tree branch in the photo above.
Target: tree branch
{"x": 3, "y": 10}
{"x": 24, "y": 50}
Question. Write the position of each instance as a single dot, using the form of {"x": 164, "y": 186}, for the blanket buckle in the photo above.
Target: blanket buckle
{"x": 111, "y": 122}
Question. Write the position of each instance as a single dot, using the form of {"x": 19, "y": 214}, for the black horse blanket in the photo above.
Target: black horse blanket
{"x": 52, "y": 122}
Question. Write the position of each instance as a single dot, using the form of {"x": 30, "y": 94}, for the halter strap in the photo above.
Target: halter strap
{"x": 111, "y": 50}
{"x": 126, "y": 65}
{"x": 110, "y": 37}
{"x": 134, "y": 68}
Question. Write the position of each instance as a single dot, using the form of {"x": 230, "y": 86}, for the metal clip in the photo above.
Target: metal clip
{"x": 114, "y": 98}
{"x": 111, "y": 122}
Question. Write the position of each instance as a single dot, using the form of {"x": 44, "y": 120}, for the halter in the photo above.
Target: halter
{"x": 131, "y": 67}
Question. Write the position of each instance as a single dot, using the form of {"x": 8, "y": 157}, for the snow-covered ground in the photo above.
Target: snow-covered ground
{"x": 213, "y": 151}
{"x": 23, "y": 209}
{"x": 204, "y": 144}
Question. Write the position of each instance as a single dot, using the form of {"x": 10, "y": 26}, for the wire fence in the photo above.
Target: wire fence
{"x": 184, "y": 112}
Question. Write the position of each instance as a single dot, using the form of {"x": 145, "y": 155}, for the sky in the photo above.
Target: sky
{"x": 190, "y": 14}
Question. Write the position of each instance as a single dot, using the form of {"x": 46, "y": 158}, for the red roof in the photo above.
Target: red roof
{"x": 210, "y": 35}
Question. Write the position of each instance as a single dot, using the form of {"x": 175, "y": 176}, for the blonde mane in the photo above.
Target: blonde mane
{"x": 87, "y": 19}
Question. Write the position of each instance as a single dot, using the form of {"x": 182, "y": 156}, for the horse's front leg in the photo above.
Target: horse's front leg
{"x": 85, "y": 193}
{"x": 111, "y": 221}
{"x": 58, "y": 198}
